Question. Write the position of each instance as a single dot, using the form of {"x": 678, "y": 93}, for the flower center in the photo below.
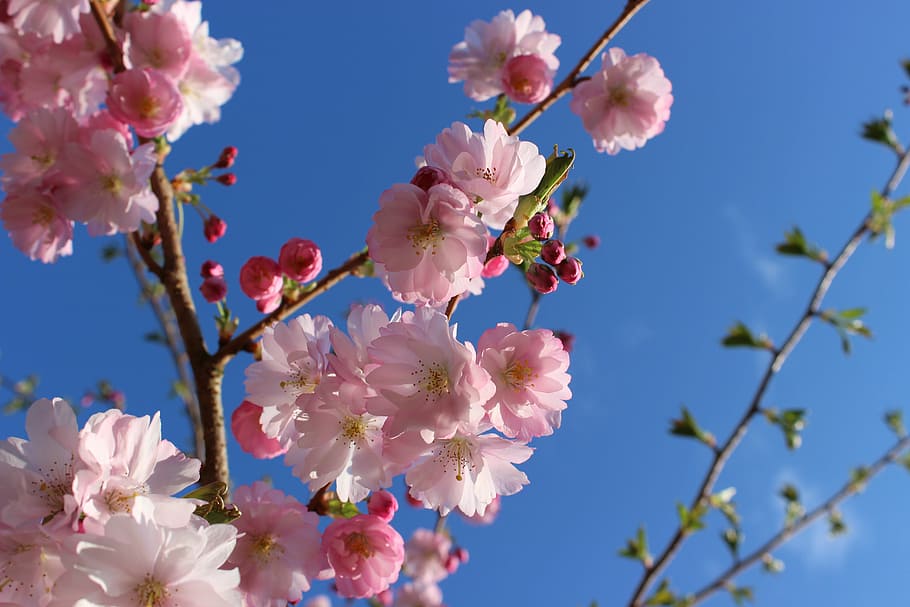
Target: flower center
{"x": 55, "y": 483}
{"x": 301, "y": 380}
{"x": 457, "y": 453}
{"x": 119, "y": 500}
{"x": 518, "y": 375}
{"x": 619, "y": 96}
{"x": 425, "y": 235}
{"x": 148, "y": 107}
{"x": 488, "y": 174}
{"x": 434, "y": 380}
{"x": 43, "y": 216}
{"x": 266, "y": 547}
{"x": 44, "y": 161}
{"x": 111, "y": 184}
{"x": 151, "y": 592}
{"x": 359, "y": 543}
{"x": 353, "y": 428}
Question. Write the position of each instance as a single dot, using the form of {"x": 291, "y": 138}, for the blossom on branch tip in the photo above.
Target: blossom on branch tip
{"x": 527, "y": 79}
{"x": 300, "y": 259}
{"x": 146, "y": 99}
{"x": 624, "y": 104}
{"x": 260, "y": 280}
{"x": 366, "y": 554}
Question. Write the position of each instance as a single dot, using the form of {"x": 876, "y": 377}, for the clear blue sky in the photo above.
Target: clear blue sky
{"x": 335, "y": 102}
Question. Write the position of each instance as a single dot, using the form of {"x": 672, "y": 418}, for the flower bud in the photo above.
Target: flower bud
{"x": 495, "y": 267}
{"x": 570, "y": 270}
{"x": 451, "y": 563}
{"x": 226, "y": 160}
{"x": 226, "y": 179}
{"x": 541, "y": 226}
{"x": 213, "y": 288}
{"x": 385, "y": 598}
{"x": 542, "y": 278}
{"x": 427, "y": 176}
{"x": 592, "y": 241}
{"x": 260, "y": 279}
{"x": 382, "y": 504}
{"x": 567, "y": 339}
{"x": 214, "y": 228}
{"x": 553, "y": 252}
{"x": 211, "y": 269}
{"x": 526, "y": 79}
{"x": 300, "y": 259}
{"x": 248, "y": 432}
{"x": 461, "y": 554}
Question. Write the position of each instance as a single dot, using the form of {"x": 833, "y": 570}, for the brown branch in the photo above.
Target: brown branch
{"x": 722, "y": 454}
{"x": 246, "y": 339}
{"x": 110, "y": 39}
{"x": 790, "y": 531}
{"x": 166, "y": 321}
{"x": 631, "y": 8}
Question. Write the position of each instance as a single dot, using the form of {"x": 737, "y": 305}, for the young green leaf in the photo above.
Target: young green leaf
{"x": 688, "y": 427}
{"x": 879, "y": 130}
{"x": 740, "y": 594}
{"x": 637, "y": 548}
{"x": 795, "y": 243}
{"x": 836, "y": 524}
{"x": 739, "y": 335}
{"x": 771, "y": 564}
{"x": 895, "y": 421}
{"x": 663, "y": 595}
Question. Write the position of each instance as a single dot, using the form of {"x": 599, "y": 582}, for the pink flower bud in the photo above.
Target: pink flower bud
{"x": 211, "y": 269}
{"x": 226, "y": 160}
{"x": 495, "y": 267}
{"x": 541, "y": 226}
{"x": 451, "y": 564}
{"x": 567, "y": 339}
{"x": 146, "y": 99}
{"x": 526, "y": 79}
{"x": 213, "y": 288}
{"x": 214, "y": 228}
{"x": 553, "y": 252}
{"x": 260, "y": 278}
{"x": 382, "y": 504}
{"x": 570, "y": 270}
{"x": 592, "y": 241}
{"x": 462, "y": 554}
{"x": 542, "y": 278}
{"x": 300, "y": 259}
{"x": 228, "y": 179}
{"x": 267, "y": 305}
{"x": 385, "y": 598}
{"x": 248, "y": 432}
{"x": 427, "y": 176}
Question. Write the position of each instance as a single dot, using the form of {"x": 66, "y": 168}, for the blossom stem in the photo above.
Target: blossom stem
{"x": 631, "y": 8}
{"x": 723, "y": 453}
{"x": 790, "y": 531}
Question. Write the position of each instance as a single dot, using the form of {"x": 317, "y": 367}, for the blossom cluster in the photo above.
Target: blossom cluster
{"x": 403, "y": 395}
{"x": 76, "y": 158}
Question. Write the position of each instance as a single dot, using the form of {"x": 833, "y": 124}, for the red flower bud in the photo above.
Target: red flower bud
{"x": 214, "y": 228}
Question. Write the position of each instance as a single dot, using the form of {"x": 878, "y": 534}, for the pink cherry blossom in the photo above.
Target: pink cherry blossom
{"x": 300, "y": 259}
{"x": 428, "y": 244}
{"x": 350, "y": 359}
{"x": 340, "y": 445}
{"x": 480, "y": 58}
{"x": 527, "y": 79}
{"x": 493, "y": 167}
{"x": 425, "y": 378}
{"x": 382, "y": 504}
{"x": 285, "y": 382}
{"x": 159, "y": 41}
{"x": 146, "y": 99}
{"x": 366, "y": 554}
{"x": 57, "y": 19}
{"x": 137, "y": 562}
{"x": 495, "y": 267}
{"x": 489, "y": 515}
{"x": 249, "y": 435}
{"x": 529, "y": 370}
{"x": 624, "y": 104}
{"x": 278, "y": 551}
{"x": 129, "y": 466}
{"x": 468, "y": 472}
{"x": 425, "y": 556}
{"x": 39, "y": 139}
{"x": 418, "y": 595}
{"x": 37, "y": 226}
{"x": 29, "y": 566}
{"x": 36, "y": 475}
{"x": 106, "y": 186}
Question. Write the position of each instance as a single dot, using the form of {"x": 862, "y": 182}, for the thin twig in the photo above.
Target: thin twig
{"x": 246, "y": 338}
{"x": 629, "y": 11}
{"x": 790, "y": 531}
{"x": 532, "y": 310}
{"x": 778, "y": 359}
{"x": 167, "y": 322}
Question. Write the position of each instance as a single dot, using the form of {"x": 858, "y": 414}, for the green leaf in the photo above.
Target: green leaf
{"x": 637, "y": 548}
{"x": 895, "y": 421}
{"x": 791, "y": 422}
{"x": 847, "y": 323}
{"x": 879, "y": 130}
{"x": 723, "y": 501}
{"x": 558, "y": 165}
{"x": 688, "y": 427}
{"x": 111, "y": 252}
{"x": 836, "y": 524}
{"x": 794, "y": 508}
{"x": 214, "y": 510}
{"x": 739, "y": 335}
{"x": 771, "y": 564}
{"x": 740, "y": 594}
{"x": 690, "y": 521}
{"x": 795, "y": 244}
{"x": 880, "y": 218}
{"x": 502, "y": 112}
{"x": 858, "y": 478}
{"x": 905, "y": 460}
{"x": 732, "y": 538}
{"x": 663, "y": 595}
{"x": 340, "y": 509}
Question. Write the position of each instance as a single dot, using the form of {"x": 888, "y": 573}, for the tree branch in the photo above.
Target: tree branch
{"x": 780, "y": 356}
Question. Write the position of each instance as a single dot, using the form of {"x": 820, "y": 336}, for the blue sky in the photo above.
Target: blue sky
{"x": 337, "y": 100}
